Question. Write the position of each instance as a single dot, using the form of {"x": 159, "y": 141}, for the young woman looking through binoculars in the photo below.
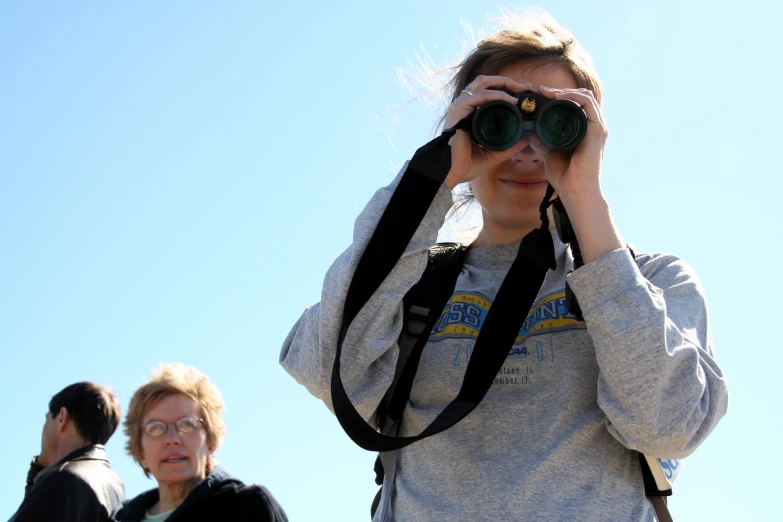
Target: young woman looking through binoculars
{"x": 557, "y": 435}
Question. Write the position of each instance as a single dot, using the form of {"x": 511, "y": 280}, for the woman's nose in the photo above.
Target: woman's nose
{"x": 526, "y": 155}
{"x": 172, "y": 437}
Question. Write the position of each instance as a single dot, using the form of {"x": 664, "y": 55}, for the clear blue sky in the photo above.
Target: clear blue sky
{"x": 176, "y": 177}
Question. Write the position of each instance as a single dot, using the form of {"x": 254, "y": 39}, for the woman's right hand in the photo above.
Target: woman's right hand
{"x": 468, "y": 159}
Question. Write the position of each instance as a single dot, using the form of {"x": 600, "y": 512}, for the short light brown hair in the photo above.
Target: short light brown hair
{"x": 172, "y": 379}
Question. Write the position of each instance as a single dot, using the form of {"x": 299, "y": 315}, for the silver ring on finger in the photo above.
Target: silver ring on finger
{"x": 468, "y": 91}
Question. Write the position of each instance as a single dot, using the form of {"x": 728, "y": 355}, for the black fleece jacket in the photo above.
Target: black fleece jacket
{"x": 218, "y": 497}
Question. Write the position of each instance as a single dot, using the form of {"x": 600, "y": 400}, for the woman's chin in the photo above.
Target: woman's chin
{"x": 176, "y": 477}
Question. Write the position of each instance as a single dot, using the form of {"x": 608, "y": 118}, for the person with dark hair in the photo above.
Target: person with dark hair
{"x": 71, "y": 479}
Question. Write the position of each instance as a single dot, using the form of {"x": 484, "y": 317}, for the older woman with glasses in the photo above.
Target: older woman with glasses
{"x": 174, "y": 427}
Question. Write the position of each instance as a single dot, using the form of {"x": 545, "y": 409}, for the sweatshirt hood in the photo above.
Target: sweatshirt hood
{"x": 217, "y": 480}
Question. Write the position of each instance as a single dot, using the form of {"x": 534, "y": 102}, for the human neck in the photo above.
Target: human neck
{"x": 497, "y": 233}
{"x": 68, "y": 445}
{"x": 494, "y": 235}
{"x": 173, "y": 494}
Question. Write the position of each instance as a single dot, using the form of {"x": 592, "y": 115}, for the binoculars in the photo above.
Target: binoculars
{"x": 498, "y": 124}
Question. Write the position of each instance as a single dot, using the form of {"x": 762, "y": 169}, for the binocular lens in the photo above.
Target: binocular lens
{"x": 560, "y": 126}
{"x": 498, "y": 127}
{"x": 498, "y": 124}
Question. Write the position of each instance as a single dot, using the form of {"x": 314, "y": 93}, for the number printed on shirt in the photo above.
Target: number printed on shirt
{"x": 458, "y": 350}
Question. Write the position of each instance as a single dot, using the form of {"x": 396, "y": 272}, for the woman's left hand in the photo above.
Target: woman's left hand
{"x": 575, "y": 176}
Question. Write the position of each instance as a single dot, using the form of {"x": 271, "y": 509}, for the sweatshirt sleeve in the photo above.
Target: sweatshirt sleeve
{"x": 659, "y": 384}
{"x": 369, "y": 353}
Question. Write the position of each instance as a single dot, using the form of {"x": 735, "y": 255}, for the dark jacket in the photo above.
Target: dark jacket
{"x": 217, "y": 497}
{"x": 79, "y": 488}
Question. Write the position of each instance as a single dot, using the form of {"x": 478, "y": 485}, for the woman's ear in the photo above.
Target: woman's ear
{"x": 211, "y": 442}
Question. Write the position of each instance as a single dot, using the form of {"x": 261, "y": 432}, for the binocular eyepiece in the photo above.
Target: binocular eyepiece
{"x": 498, "y": 124}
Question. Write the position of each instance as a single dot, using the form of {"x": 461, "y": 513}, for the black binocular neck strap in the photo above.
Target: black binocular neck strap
{"x": 405, "y": 211}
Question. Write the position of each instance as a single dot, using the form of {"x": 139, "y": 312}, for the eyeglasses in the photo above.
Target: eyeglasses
{"x": 158, "y": 428}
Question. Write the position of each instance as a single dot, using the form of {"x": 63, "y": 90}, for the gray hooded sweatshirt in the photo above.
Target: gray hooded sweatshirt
{"x": 556, "y": 436}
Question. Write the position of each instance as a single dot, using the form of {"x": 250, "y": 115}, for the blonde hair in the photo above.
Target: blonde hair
{"x": 526, "y": 36}
{"x": 521, "y": 35}
{"x": 173, "y": 379}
